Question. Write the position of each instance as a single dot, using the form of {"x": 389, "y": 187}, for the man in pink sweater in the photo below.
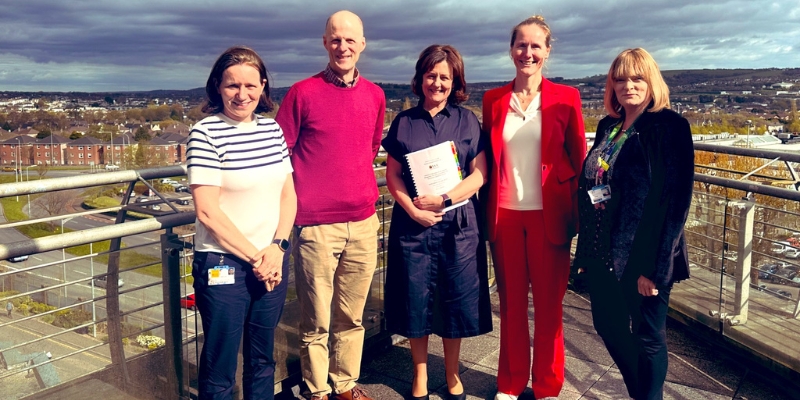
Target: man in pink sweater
{"x": 333, "y": 122}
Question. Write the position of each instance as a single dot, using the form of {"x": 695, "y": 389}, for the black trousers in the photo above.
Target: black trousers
{"x": 633, "y": 328}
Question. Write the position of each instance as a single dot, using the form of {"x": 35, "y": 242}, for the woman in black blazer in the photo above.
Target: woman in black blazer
{"x": 633, "y": 200}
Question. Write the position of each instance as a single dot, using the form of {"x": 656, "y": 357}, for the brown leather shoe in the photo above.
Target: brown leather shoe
{"x": 355, "y": 393}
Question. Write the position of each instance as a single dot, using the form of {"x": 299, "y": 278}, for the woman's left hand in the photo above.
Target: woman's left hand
{"x": 429, "y": 202}
{"x": 268, "y": 265}
{"x": 647, "y": 287}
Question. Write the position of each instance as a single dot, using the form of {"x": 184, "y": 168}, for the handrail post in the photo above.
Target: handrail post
{"x": 171, "y": 247}
{"x": 114, "y": 324}
{"x": 746, "y": 212}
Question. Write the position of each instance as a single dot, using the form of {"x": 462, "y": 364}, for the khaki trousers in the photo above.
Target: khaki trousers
{"x": 334, "y": 265}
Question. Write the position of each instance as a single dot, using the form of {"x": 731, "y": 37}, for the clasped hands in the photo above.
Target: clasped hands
{"x": 268, "y": 266}
{"x": 429, "y": 210}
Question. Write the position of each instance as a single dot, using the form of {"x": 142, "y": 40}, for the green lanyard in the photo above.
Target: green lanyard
{"x": 610, "y": 149}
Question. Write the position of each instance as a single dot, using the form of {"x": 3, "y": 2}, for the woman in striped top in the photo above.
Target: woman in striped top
{"x": 241, "y": 180}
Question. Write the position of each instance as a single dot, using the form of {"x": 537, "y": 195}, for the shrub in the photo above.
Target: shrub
{"x": 150, "y": 342}
{"x": 71, "y": 318}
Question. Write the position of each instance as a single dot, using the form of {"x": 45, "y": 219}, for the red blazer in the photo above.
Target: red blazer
{"x": 563, "y": 150}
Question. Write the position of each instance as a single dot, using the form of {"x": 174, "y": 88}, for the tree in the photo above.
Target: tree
{"x": 176, "y": 112}
{"x": 406, "y": 104}
{"x": 141, "y": 157}
{"x": 42, "y": 169}
{"x": 109, "y": 100}
{"x": 156, "y": 113}
{"x": 142, "y": 134}
{"x": 196, "y": 113}
{"x": 75, "y": 135}
{"x": 134, "y": 114}
{"x": 95, "y": 131}
{"x": 114, "y": 116}
{"x": 55, "y": 203}
{"x": 43, "y": 133}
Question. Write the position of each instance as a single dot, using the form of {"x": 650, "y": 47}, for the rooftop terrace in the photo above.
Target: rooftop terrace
{"x": 733, "y": 333}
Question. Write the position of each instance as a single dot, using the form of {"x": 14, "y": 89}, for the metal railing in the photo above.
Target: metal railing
{"x": 733, "y": 226}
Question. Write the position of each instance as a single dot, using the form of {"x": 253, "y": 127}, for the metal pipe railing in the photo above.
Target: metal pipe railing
{"x": 748, "y": 152}
{"x": 172, "y": 277}
{"x": 84, "y": 181}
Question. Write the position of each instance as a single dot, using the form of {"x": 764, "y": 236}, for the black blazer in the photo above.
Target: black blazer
{"x": 651, "y": 190}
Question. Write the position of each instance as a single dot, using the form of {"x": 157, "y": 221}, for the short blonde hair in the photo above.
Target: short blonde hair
{"x": 636, "y": 62}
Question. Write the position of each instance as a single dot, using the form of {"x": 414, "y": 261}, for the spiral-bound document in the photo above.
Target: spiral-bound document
{"x": 435, "y": 170}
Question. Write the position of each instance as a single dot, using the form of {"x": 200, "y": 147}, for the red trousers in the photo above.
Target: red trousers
{"x": 524, "y": 257}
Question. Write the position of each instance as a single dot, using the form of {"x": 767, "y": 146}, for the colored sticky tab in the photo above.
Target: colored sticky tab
{"x": 603, "y": 164}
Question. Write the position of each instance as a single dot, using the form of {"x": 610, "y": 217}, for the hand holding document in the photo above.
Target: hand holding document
{"x": 435, "y": 170}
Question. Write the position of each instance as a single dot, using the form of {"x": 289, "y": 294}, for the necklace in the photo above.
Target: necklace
{"x": 525, "y": 100}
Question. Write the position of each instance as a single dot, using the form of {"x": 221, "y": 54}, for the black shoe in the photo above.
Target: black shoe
{"x": 462, "y": 396}
{"x": 425, "y": 397}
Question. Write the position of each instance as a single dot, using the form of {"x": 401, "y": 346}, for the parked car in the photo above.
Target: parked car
{"x": 182, "y": 188}
{"x": 765, "y": 271}
{"x": 155, "y": 207}
{"x": 9, "y": 169}
{"x": 780, "y": 247}
{"x": 18, "y": 258}
{"x": 761, "y": 287}
{"x": 188, "y": 302}
{"x": 103, "y": 282}
{"x": 184, "y": 202}
{"x": 792, "y": 253}
{"x": 783, "y": 276}
{"x": 168, "y": 181}
{"x": 784, "y": 293}
{"x": 111, "y": 167}
{"x": 790, "y": 267}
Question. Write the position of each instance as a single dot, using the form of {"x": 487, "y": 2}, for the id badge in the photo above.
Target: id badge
{"x": 221, "y": 275}
{"x": 599, "y": 193}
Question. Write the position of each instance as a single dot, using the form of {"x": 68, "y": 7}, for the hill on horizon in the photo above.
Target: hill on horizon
{"x": 674, "y": 78}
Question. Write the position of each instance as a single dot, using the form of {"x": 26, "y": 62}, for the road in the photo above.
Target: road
{"x": 58, "y": 271}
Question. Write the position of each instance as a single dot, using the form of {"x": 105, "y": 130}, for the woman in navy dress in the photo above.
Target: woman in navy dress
{"x": 436, "y": 279}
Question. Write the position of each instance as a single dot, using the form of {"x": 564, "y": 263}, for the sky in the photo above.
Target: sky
{"x": 99, "y": 45}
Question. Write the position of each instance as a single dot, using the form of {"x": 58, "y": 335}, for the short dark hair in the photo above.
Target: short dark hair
{"x": 235, "y": 55}
{"x": 433, "y": 55}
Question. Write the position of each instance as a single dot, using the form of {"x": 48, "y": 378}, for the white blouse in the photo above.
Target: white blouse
{"x": 521, "y": 174}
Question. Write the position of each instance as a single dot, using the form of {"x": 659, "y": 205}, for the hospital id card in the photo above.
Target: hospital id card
{"x": 599, "y": 193}
{"x": 221, "y": 275}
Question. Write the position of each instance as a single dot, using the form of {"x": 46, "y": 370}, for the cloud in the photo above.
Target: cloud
{"x": 53, "y": 45}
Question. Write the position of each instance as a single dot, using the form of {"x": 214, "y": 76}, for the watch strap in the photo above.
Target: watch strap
{"x": 447, "y": 201}
{"x": 283, "y": 244}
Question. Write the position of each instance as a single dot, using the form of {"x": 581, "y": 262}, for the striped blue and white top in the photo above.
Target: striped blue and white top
{"x": 249, "y": 162}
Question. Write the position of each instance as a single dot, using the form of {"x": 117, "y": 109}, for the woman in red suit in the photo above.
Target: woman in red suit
{"x": 537, "y": 148}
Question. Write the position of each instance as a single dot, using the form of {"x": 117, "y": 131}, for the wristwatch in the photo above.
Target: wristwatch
{"x": 283, "y": 244}
{"x": 447, "y": 201}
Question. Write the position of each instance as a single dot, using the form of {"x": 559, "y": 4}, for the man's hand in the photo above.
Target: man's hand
{"x": 647, "y": 287}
